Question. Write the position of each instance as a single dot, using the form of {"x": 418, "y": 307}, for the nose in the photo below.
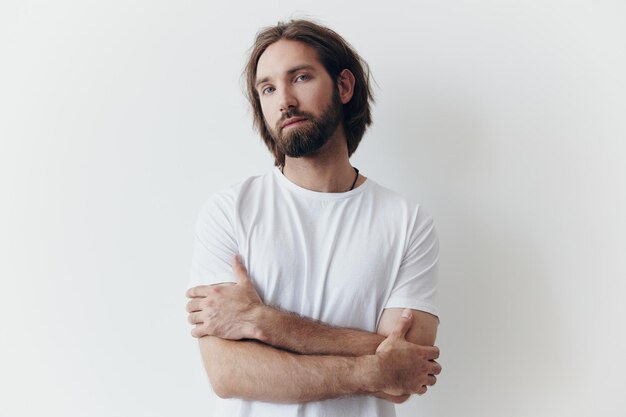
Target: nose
{"x": 287, "y": 100}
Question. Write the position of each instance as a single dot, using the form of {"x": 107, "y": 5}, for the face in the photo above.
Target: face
{"x": 299, "y": 100}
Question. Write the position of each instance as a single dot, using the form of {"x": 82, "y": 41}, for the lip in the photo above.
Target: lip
{"x": 293, "y": 120}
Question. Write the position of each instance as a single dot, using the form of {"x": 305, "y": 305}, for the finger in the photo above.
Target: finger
{"x": 432, "y": 352}
{"x": 431, "y": 380}
{"x": 199, "y": 291}
{"x": 194, "y": 305}
{"x": 241, "y": 274}
{"x": 403, "y": 324}
{"x": 435, "y": 368}
{"x": 194, "y": 318}
{"x": 197, "y": 331}
{"x": 422, "y": 390}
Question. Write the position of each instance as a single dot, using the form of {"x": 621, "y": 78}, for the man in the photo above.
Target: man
{"x": 335, "y": 314}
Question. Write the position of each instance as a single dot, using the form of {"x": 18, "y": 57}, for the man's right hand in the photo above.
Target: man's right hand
{"x": 404, "y": 367}
{"x": 228, "y": 311}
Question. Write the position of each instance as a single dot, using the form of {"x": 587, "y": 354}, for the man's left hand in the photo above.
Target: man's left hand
{"x": 227, "y": 311}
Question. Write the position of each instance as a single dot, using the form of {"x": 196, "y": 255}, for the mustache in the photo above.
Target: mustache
{"x": 289, "y": 114}
{"x": 292, "y": 113}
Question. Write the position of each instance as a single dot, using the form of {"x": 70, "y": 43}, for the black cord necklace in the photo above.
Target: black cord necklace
{"x": 356, "y": 177}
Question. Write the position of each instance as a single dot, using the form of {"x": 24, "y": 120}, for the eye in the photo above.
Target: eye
{"x": 302, "y": 77}
{"x": 267, "y": 90}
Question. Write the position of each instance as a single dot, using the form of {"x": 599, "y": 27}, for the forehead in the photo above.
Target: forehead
{"x": 283, "y": 55}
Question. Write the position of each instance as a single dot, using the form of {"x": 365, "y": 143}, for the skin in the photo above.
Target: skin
{"x": 253, "y": 371}
{"x": 310, "y": 90}
{"x": 236, "y": 312}
{"x": 256, "y": 352}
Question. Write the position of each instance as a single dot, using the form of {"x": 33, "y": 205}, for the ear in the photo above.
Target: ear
{"x": 345, "y": 84}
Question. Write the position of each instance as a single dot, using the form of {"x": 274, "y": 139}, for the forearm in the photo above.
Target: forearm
{"x": 237, "y": 312}
{"x": 292, "y": 332}
{"x": 253, "y": 371}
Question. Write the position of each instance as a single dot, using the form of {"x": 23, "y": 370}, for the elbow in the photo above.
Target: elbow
{"x": 221, "y": 388}
{"x": 221, "y": 383}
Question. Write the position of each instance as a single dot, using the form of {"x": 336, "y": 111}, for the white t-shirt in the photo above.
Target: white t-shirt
{"x": 340, "y": 258}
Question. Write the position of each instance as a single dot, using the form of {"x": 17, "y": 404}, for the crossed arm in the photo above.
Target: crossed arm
{"x": 253, "y": 351}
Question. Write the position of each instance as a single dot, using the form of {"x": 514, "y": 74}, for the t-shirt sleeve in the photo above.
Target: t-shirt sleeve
{"x": 214, "y": 242}
{"x": 415, "y": 286}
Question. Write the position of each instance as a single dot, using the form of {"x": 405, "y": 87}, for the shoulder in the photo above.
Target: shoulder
{"x": 389, "y": 196}
{"x": 220, "y": 208}
{"x": 228, "y": 198}
{"x": 398, "y": 205}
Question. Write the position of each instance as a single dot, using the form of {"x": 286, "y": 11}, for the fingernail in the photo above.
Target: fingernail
{"x": 406, "y": 313}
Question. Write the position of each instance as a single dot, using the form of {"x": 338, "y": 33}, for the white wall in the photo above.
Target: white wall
{"x": 505, "y": 119}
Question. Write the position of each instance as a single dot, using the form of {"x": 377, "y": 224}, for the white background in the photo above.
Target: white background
{"x": 505, "y": 119}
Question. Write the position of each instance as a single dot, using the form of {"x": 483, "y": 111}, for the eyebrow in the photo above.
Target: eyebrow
{"x": 289, "y": 72}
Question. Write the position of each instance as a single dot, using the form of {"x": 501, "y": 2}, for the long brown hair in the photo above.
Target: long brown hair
{"x": 335, "y": 54}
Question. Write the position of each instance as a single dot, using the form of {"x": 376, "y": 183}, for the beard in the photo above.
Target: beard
{"x": 312, "y": 134}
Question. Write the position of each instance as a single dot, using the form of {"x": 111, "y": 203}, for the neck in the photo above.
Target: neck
{"x": 327, "y": 171}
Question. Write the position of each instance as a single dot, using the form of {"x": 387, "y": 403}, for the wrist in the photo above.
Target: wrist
{"x": 368, "y": 374}
{"x": 261, "y": 316}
